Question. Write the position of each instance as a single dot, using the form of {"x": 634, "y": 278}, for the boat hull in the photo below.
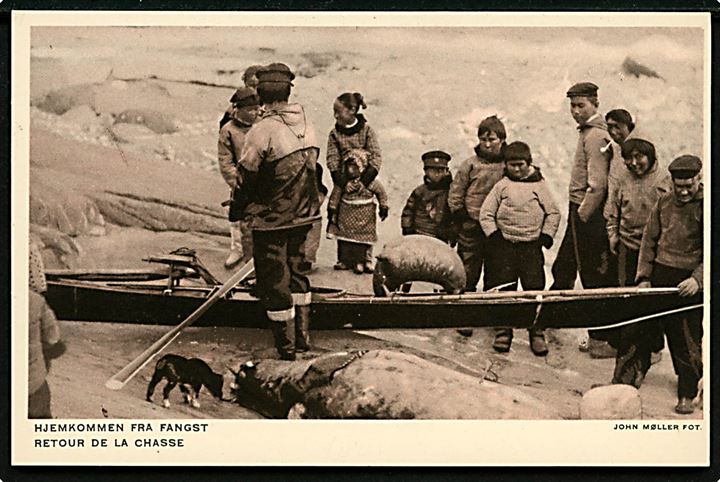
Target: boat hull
{"x": 91, "y": 301}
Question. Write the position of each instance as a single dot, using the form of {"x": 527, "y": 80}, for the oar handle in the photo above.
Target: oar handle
{"x": 126, "y": 374}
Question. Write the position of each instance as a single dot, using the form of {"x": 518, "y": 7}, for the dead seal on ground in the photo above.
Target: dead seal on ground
{"x": 377, "y": 384}
{"x": 155, "y": 121}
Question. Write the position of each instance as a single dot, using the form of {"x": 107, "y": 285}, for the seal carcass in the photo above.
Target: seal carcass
{"x": 418, "y": 258}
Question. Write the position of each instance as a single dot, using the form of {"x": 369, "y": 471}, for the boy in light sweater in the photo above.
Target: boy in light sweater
{"x": 519, "y": 217}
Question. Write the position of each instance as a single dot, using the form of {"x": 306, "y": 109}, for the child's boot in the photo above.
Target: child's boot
{"x": 684, "y": 406}
{"x": 233, "y": 259}
{"x": 538, "y": 345}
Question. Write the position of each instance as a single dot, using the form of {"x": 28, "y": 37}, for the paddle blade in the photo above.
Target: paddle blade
{"x": 114, "y": 384}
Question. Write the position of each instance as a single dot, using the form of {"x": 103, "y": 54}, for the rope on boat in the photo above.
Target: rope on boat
{"x": 649, "y": 317}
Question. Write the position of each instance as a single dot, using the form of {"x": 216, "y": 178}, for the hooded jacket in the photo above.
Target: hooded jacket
{"x": 426, "y": 210}
{"x": 471, "y": 184}
{"x": 630, "y": 201}
{"x": 279, "y": 170}
{"x": 673, "y": 236}
{"x": 230, "y": 144}
{"x": 589, "y": 175}
{"x": 521, "y": 210}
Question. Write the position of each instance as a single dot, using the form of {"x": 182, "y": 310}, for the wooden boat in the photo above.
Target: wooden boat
{"x": 163, "y": 297}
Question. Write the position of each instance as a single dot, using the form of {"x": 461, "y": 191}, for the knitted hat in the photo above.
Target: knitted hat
{"x": 435, "y": 159}
{"x": 245, "y": 96}
{"x": 517, "y": 151}
{"x": 685, "y": 167}
{"x": 275, "y": 72}
{"x": 583, "y": 89}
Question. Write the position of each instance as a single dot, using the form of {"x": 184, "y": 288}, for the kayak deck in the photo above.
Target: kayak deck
{"x": 134, "y": 301}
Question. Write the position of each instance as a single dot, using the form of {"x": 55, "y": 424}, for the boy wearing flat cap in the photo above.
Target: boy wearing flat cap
{"x": 520, "y": 218}
{"x": 249, "y": 80}
{"x": 278, "y": 173}
{"x": 584, "y": 248}
{"x": 245, "y": 105}
{"x": 426, "y": 210}
{"x": 671, "y": 255}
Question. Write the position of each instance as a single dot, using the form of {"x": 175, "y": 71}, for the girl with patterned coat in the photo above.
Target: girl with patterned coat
{"x": 352, "y": 137}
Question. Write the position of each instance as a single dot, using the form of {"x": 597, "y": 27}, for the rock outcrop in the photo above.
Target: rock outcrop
{"x": 611, "y": 402}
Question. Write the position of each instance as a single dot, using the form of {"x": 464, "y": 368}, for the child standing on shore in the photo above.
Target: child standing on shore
{"x": 231, "y": 140}
{"x": 351, "y": 137}
{"x": 426, "y": 210}
{"x": 519, "y": 217}
{"x": 627, "y": 214}
{"x": 473, "y": 180}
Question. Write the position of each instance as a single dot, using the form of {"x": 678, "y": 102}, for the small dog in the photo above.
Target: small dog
{"x": 191, "y": 374}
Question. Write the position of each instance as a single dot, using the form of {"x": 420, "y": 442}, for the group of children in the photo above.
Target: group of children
{"x": 500, "y": 213}
{"x": 498, "y": 210}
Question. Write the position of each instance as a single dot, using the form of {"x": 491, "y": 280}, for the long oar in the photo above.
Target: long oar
{"x": 123, "y": 376}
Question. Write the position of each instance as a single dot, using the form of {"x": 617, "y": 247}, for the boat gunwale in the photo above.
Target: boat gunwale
{"x": 340, "y": 297}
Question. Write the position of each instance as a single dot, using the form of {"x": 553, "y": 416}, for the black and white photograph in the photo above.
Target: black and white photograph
{"x": 409, "y": 228}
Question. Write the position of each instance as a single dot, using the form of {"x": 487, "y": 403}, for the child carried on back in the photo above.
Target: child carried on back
{"x": 352, "y": 215}
{"x": 519, "y": 217}
{"x": 351, "y": 209}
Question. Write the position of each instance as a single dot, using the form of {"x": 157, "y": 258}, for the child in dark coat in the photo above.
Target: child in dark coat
{"x": 426, "y": 210}
{"x": 519, "y": 217}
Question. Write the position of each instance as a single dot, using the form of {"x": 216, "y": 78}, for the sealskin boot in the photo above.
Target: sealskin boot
{"x": 284, "y": 336}
{"x": 503, "y": 340}
{"x": 302, "y": 328}
{"x": 600, "y": 349}
{"x": 233, "y": 259}
{"x": 538, "y": 345}
{"x": 684, "y": 406}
